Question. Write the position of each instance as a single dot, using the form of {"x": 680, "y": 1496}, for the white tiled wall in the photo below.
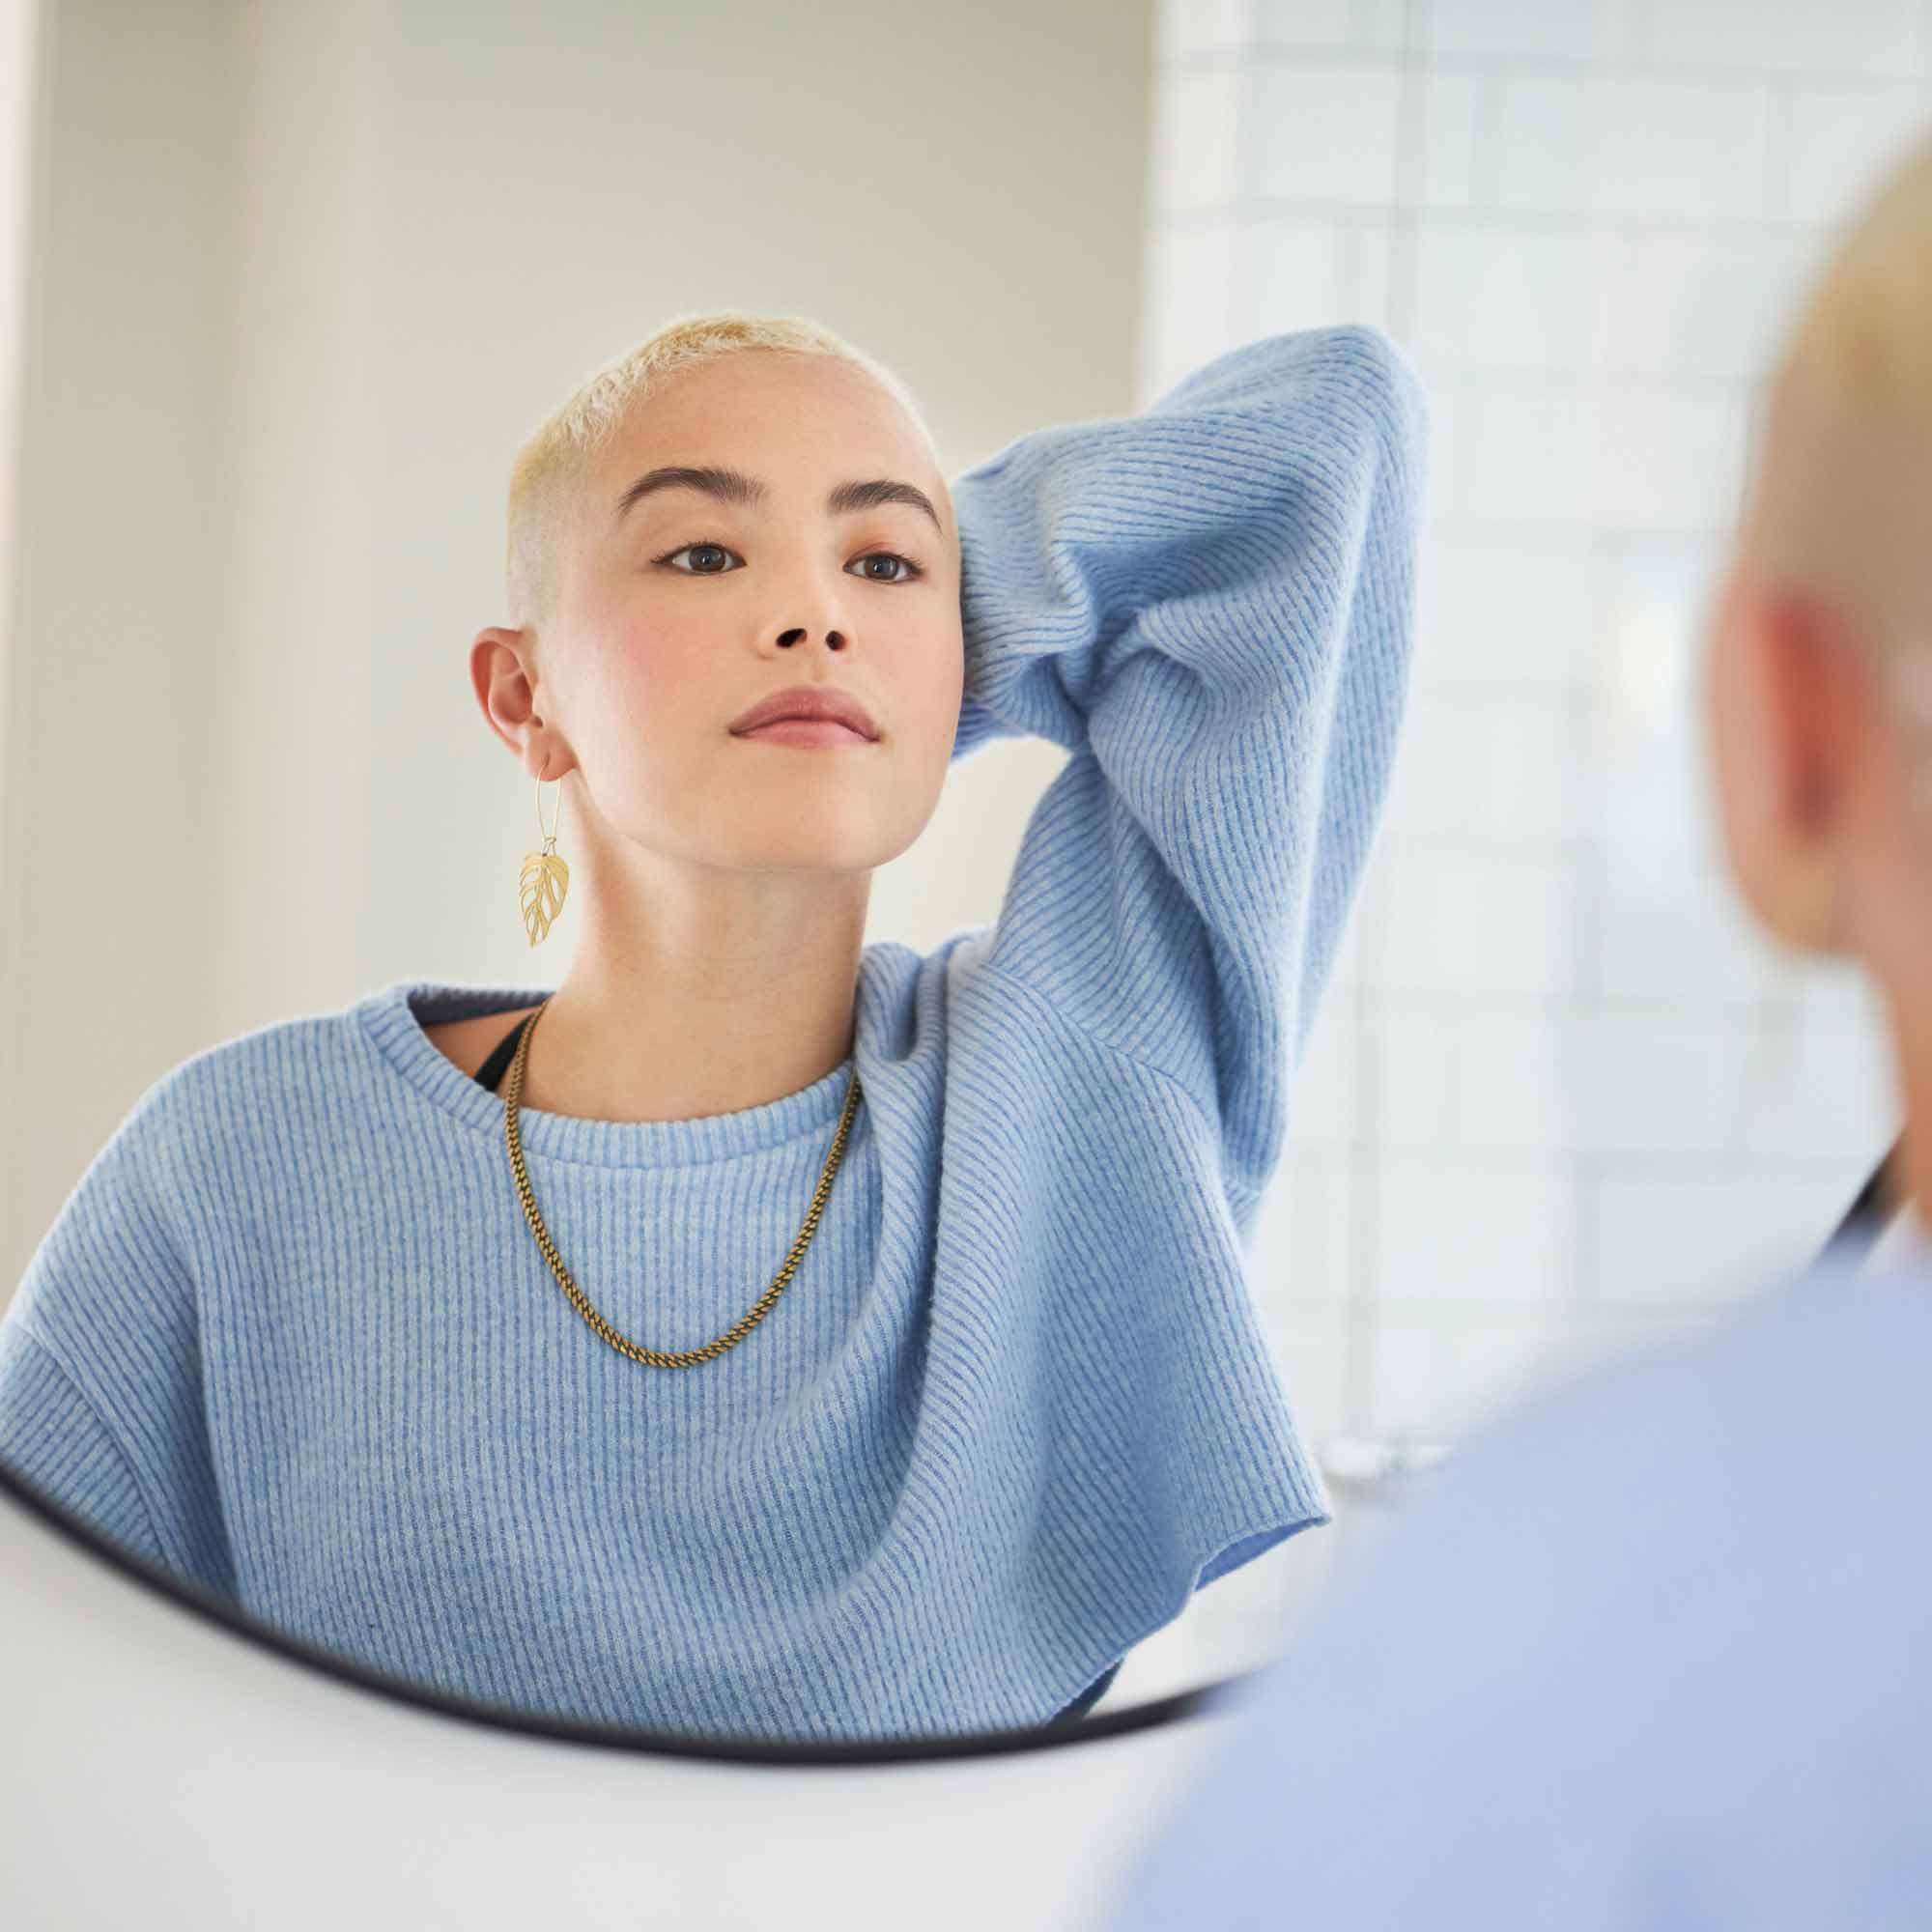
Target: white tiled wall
{"x": 1562, "y": 1095}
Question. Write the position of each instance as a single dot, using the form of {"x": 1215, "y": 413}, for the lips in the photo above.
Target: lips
{"x": 821, "y": 702}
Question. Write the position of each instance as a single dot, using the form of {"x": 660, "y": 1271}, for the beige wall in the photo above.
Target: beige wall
{"x": 301, "y": 279}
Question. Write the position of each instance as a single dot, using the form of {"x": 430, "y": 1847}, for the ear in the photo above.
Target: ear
{"x": 1786, "y": 696}
{"x": 499, "y": 674}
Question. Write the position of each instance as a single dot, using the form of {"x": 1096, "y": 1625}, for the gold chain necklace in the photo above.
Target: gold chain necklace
{"x": 656, "y": 1359}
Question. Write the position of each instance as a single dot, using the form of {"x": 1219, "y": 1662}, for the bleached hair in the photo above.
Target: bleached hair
{"x": 1843, "y": 498}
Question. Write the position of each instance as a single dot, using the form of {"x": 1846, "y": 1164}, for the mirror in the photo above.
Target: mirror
{"x": 958, "y": 1230}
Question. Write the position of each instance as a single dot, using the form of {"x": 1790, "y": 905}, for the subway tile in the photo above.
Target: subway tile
{"x": 1345, "y": 970}
{"x": 1196, "y": 139}
{"x": 1485, "y": 766}
{"x": 1879, "y": 38}
{"x": 1408, "y": 1400}
{"x": 1411, "y": 1058}
{"x": 1503, "y": 609}
{"x": 1189, "y": 301}
{"x": 1323, "y": 1114}
{"x": 1844, "y": 141}
{"x": 1704, "y": 1236}
{"x": 1516, "y": 772}
{"x": 1367, "y": 26}
{"x": 1302, "y": 1255}
{"x": 1421, "y": 778}
{"x": 1542, "y": 135}
{"x": 1312, "y": 1350}
{"x": 1322, "y": 132}
{"x": 1647, "y": 801}
{"x": 1371, "y": 249}
{"x": 1437, "y": 1379}
{"x": 1468, "y": 1231}
{"x": 1647, "y": 785}
{"x": 1507, "y": 1091}
{"x": 1669, "y": 149}
{"x": 1477, "y": 923}
{"x": 1550, "y": 30}
{"x": 1511, "y": 300}
{"x": 1649, "y": 1082}
{"x": 1535, "y": 1079}
{"x": 1600, "y": 147}
{"x": 1456, "y": 150}
{"x": 1554, "y": 454}
{"x": 1288, "y": 272}
{"x": 1812, "y": 1090}
{"x": 1669, "y": 458}
{"x": 1667, "y": 931}
{"x": 1711, "y": 304}
{"x": 1513, "y": 455}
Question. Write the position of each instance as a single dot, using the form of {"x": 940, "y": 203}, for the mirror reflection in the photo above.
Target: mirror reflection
{"x": 1122, "y": 951}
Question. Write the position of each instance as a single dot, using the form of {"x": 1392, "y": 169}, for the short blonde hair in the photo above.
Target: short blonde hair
{"x": 1843, "y": 502}
{"x": 549, "y": 468}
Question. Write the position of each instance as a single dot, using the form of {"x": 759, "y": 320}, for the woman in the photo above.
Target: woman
{"x": 762, "y": 1332}
{"x": 1651, "y": 1651}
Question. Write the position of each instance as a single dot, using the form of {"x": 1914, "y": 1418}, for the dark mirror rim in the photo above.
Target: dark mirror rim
{"x": 344, "y": 1670}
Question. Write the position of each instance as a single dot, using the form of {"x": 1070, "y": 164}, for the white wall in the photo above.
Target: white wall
{"x": 115, "y": 654}
{"x": 1556, "y": 1101}
{"x": 18, "y": 26}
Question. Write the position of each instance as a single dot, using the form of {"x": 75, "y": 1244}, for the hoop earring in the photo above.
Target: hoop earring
{"x": 544, "y": 878}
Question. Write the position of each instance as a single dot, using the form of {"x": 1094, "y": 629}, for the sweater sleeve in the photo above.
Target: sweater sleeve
{"x": 1210, "y": 606}
{"x": 101, "y": 1387}
{"x": 51, "y": 1436}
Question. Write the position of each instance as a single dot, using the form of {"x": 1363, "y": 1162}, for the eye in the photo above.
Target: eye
{"x": 682, "y": 548}
{"x": 912, "y": 569}
{"x": 910, "y": 574}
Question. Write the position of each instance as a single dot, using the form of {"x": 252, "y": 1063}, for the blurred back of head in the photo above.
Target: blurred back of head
{"x": 1820, "y": 669}
{"x": 1842, "y": 503}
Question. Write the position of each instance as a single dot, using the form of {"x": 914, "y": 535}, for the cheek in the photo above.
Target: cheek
{"x": 658, "y": 686}
{"x": 944, "y": 678}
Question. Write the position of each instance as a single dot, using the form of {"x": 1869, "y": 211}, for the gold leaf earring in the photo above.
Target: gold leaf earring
{"x": 545, "y": 877}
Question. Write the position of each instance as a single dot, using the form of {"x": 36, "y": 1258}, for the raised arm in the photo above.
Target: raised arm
{"x": 1211, "y": 605}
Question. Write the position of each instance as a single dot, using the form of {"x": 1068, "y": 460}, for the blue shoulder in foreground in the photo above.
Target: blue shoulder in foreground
{"x": 1649, "y": 1651}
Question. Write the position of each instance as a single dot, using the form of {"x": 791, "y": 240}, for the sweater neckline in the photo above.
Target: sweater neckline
{"x": 393, "y": 1019}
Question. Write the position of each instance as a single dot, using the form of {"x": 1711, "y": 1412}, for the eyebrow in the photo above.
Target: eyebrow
{"x": 734, "y": 486}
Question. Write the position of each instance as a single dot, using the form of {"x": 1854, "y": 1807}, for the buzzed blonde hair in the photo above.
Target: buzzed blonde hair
{"x": 1842, "y": 500}
{"x": 546, "y": 476}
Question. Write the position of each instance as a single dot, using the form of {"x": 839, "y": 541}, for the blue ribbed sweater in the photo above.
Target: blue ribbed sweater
{"x": 291, "y": 1337}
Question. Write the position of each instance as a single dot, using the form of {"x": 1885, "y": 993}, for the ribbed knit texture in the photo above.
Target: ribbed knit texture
{"x": 291, "y": 1335}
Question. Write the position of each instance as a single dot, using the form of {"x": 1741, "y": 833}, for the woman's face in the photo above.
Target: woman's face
{"x": 677, "y": 610}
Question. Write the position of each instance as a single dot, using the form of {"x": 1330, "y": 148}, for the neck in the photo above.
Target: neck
{"x": 716, "y": 1001}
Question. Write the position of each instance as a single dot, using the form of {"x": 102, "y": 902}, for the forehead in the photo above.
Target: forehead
{"x": 813, "y": 411}
{"x": 794, "y": 435}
